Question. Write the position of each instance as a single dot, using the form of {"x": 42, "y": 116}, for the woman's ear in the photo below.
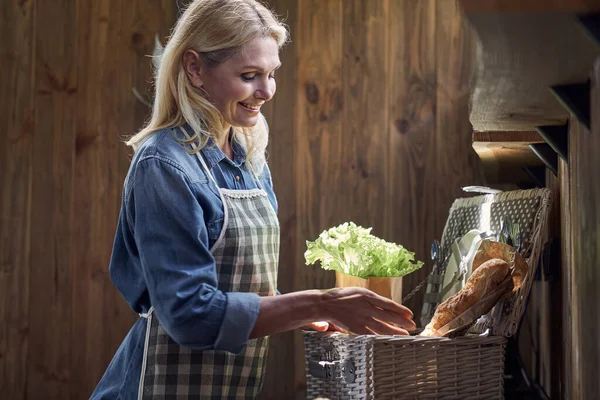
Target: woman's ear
{"x": 193, "y": 67}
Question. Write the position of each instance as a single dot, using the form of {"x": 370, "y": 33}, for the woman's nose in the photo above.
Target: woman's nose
{"x": 266, "y": 91}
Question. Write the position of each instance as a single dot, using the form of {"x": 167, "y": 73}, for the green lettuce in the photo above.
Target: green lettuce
{"x": 353, "y": 250}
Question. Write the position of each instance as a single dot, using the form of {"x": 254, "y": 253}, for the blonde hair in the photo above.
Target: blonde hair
{"x": 216, "y": 29}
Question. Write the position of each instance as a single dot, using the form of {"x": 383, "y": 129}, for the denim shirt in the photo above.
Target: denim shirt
{"x": 171, "y": 215}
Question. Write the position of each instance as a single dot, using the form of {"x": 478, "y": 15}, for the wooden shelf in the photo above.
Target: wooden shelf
{"x": 504, "y": 155}
{"x": 522, "y": 6}
{"x": 520, "y": 56}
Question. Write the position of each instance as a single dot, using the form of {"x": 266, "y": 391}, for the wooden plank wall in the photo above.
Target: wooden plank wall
{"x": 580, "y": 255}
{"x": 380, "y": 136}
{"x": 370, "y": 124}
{"x": 68, "y": 69}
{"x": 279, "y": 381}
{"x": 540, "y": 331}
{"x": 568, "y": 370}
{"x": 585, "y": 245}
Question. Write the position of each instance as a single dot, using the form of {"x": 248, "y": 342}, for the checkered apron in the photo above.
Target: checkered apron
{"x": 246, "y": 255}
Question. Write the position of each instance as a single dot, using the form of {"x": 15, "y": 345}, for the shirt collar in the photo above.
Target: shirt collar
{"x": 213, "y": 154}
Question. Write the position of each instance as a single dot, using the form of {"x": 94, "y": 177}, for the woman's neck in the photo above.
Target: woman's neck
{"x": 227, "y": 147}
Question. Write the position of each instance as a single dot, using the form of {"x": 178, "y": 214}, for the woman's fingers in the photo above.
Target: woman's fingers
{"x": 371, "y": 331}
{"x": 390, "y": 305}
{"x": 388, "y": 329}
{"x": 364, "y": 312}
{"x": 394, "y": 319}
{"x": 373, "y": 327}
{"x": 381, "y": 328}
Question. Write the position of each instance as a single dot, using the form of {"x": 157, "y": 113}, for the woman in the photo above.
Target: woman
{"x": 197, "y": 242}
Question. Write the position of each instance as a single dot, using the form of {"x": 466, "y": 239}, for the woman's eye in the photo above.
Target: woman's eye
{"x": 272, "y": 76}
{"x": 248, "y": 77}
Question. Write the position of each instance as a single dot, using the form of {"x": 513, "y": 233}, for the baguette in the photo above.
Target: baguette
{"x": 487, "y": 277}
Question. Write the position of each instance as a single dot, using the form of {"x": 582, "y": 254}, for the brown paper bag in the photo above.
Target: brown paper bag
{"x": 386, "y": 287}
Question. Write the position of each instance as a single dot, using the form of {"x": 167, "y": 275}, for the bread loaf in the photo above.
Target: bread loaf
{"x": 490, "y": 249}
{"x": 484, "y": 279}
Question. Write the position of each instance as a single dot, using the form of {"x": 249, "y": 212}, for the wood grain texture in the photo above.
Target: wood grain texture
{"x": 17, "y": 61}
{"x": 579, "y": 318}
{"x": 365, "y": 140}
{"x": 533, "y": 340}
{"x": 565, "y": 278}
{"x": 504, "y": 155}
{"x": 51, "y": 283}
{"x": 411, "y": 127}
{"x": 520, "y": 57}
{"x": 585, "y": 241}
{"x": 569, "y": 369}
{"x": 541, "y": 332}
{"x": 507, "y": 136}
{"x": 68, "y": 103}
{"x": 107, "y": 112}
{"x": 456, "y": 163}
{"x": 523, "y": 6}
{"x": 93, "y": 192}
{"x": 318, "y": 140}
{"x": 556, "y": 305}
{"x": 280, "y": 383}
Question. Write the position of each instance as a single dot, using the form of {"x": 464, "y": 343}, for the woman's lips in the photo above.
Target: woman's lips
{"x": 250, "y": 108}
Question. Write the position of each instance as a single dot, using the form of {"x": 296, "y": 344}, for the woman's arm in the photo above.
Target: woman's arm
{"x": 181, "y": 279}
{"x": 358, "y": 310}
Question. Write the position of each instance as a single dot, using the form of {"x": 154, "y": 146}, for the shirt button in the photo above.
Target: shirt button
{"x": 237, "y": 177}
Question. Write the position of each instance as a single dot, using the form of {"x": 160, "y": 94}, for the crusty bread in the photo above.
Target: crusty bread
{"x": 484, "y": 279}
{"x": 490, "y": 249}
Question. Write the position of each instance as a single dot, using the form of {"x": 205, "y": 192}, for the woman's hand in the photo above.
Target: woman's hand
{"x": 355, "y": 310}
{"x": 362, "y": 311}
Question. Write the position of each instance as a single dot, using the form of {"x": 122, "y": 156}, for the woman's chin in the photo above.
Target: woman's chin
{"x": 245, "y": 123}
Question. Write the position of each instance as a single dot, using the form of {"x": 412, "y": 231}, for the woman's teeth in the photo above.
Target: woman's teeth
{"x": 250, "y": 106}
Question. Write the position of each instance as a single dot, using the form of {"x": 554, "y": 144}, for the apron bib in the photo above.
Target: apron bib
{"x": 246, "y": 255}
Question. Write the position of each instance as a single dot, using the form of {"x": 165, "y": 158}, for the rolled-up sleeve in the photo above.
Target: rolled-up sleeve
{"x": 178, "y": 267}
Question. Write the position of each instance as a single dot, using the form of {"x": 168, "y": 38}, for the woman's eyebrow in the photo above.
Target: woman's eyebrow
{"x": 256, "y": 67}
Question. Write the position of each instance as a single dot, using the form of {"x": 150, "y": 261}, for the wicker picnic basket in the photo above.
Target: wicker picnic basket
{"x": 340, "y": 366}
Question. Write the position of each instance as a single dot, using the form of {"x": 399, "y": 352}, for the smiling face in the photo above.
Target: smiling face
{"x": 240, "y": 85}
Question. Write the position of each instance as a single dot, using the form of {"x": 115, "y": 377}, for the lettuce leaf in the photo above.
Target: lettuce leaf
{"x": 353, "y": 250}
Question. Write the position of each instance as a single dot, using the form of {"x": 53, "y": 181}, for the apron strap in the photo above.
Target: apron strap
{"x": 148, "y": 317}
{"x": 147, "y": 314}
{"x": 212, "y": 178}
